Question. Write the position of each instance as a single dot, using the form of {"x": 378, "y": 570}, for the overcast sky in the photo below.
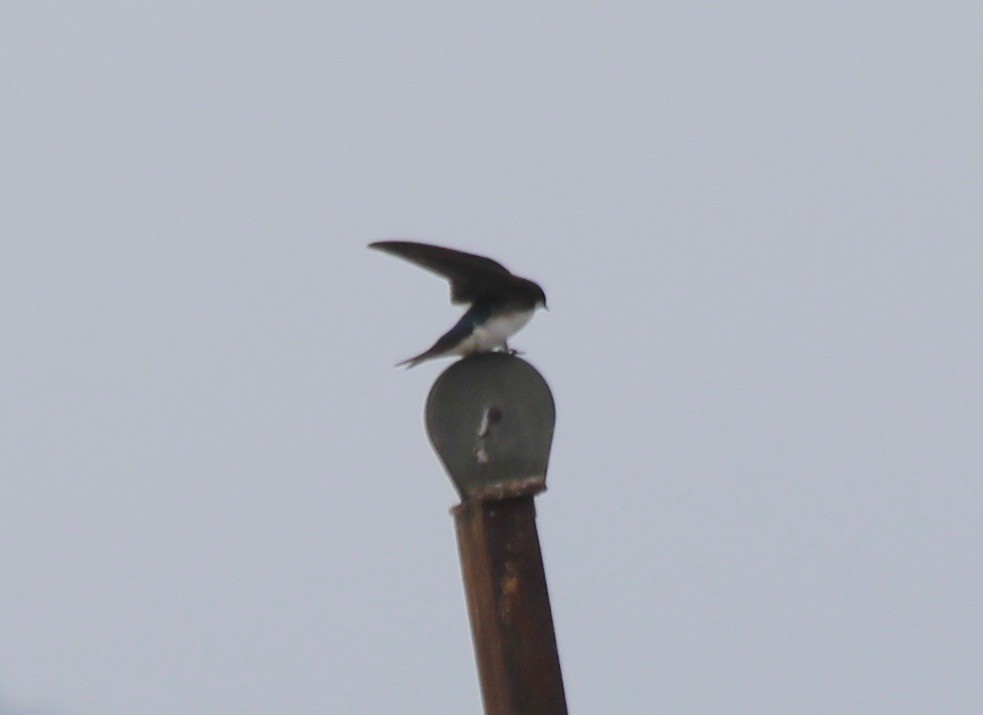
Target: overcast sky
{"x": 760, "y": 230}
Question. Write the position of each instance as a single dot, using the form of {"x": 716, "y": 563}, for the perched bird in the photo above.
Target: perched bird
{"x": 501, "y": 303}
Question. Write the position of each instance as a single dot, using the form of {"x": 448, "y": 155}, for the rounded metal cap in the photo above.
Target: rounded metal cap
{"x": 490, "y": 417}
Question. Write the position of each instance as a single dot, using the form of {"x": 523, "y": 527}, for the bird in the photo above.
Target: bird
{"x": 500, "y": 303}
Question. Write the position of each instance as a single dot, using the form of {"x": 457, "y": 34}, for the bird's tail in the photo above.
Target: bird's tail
{"x": 446, "y": 343}
{"x": 415, "y": 360}
{"x": 436, "y": 350}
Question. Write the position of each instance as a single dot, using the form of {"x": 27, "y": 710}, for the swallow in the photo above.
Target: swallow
{"x": 500, "y": 303}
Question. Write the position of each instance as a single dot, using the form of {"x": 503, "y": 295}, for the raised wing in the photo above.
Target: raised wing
{"x": 471, "y": 277}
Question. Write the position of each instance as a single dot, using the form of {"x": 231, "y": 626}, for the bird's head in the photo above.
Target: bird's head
{"x": 537, "y": 295}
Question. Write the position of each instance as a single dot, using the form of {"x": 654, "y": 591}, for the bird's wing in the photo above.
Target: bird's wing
{"x": 471, "y": 276}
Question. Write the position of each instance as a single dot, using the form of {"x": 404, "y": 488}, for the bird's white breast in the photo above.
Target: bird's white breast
{"x": 495, "y": 331}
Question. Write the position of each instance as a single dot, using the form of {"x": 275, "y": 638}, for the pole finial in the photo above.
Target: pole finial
{"x": 490, "y": 418}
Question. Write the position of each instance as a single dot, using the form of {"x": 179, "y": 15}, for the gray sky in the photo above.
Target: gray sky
{"x": 759, "y": 229}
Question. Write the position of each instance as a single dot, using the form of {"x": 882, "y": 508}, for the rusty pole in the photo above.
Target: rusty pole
{"x": 509, "y": 607}
{"x": 490, "y": 418}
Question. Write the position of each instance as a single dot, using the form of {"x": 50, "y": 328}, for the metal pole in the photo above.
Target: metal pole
{"x": 490, "y": 417}
{"x": 509, "y": 607}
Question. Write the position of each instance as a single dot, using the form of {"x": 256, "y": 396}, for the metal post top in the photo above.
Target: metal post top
{"x": 490, "y": 418}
